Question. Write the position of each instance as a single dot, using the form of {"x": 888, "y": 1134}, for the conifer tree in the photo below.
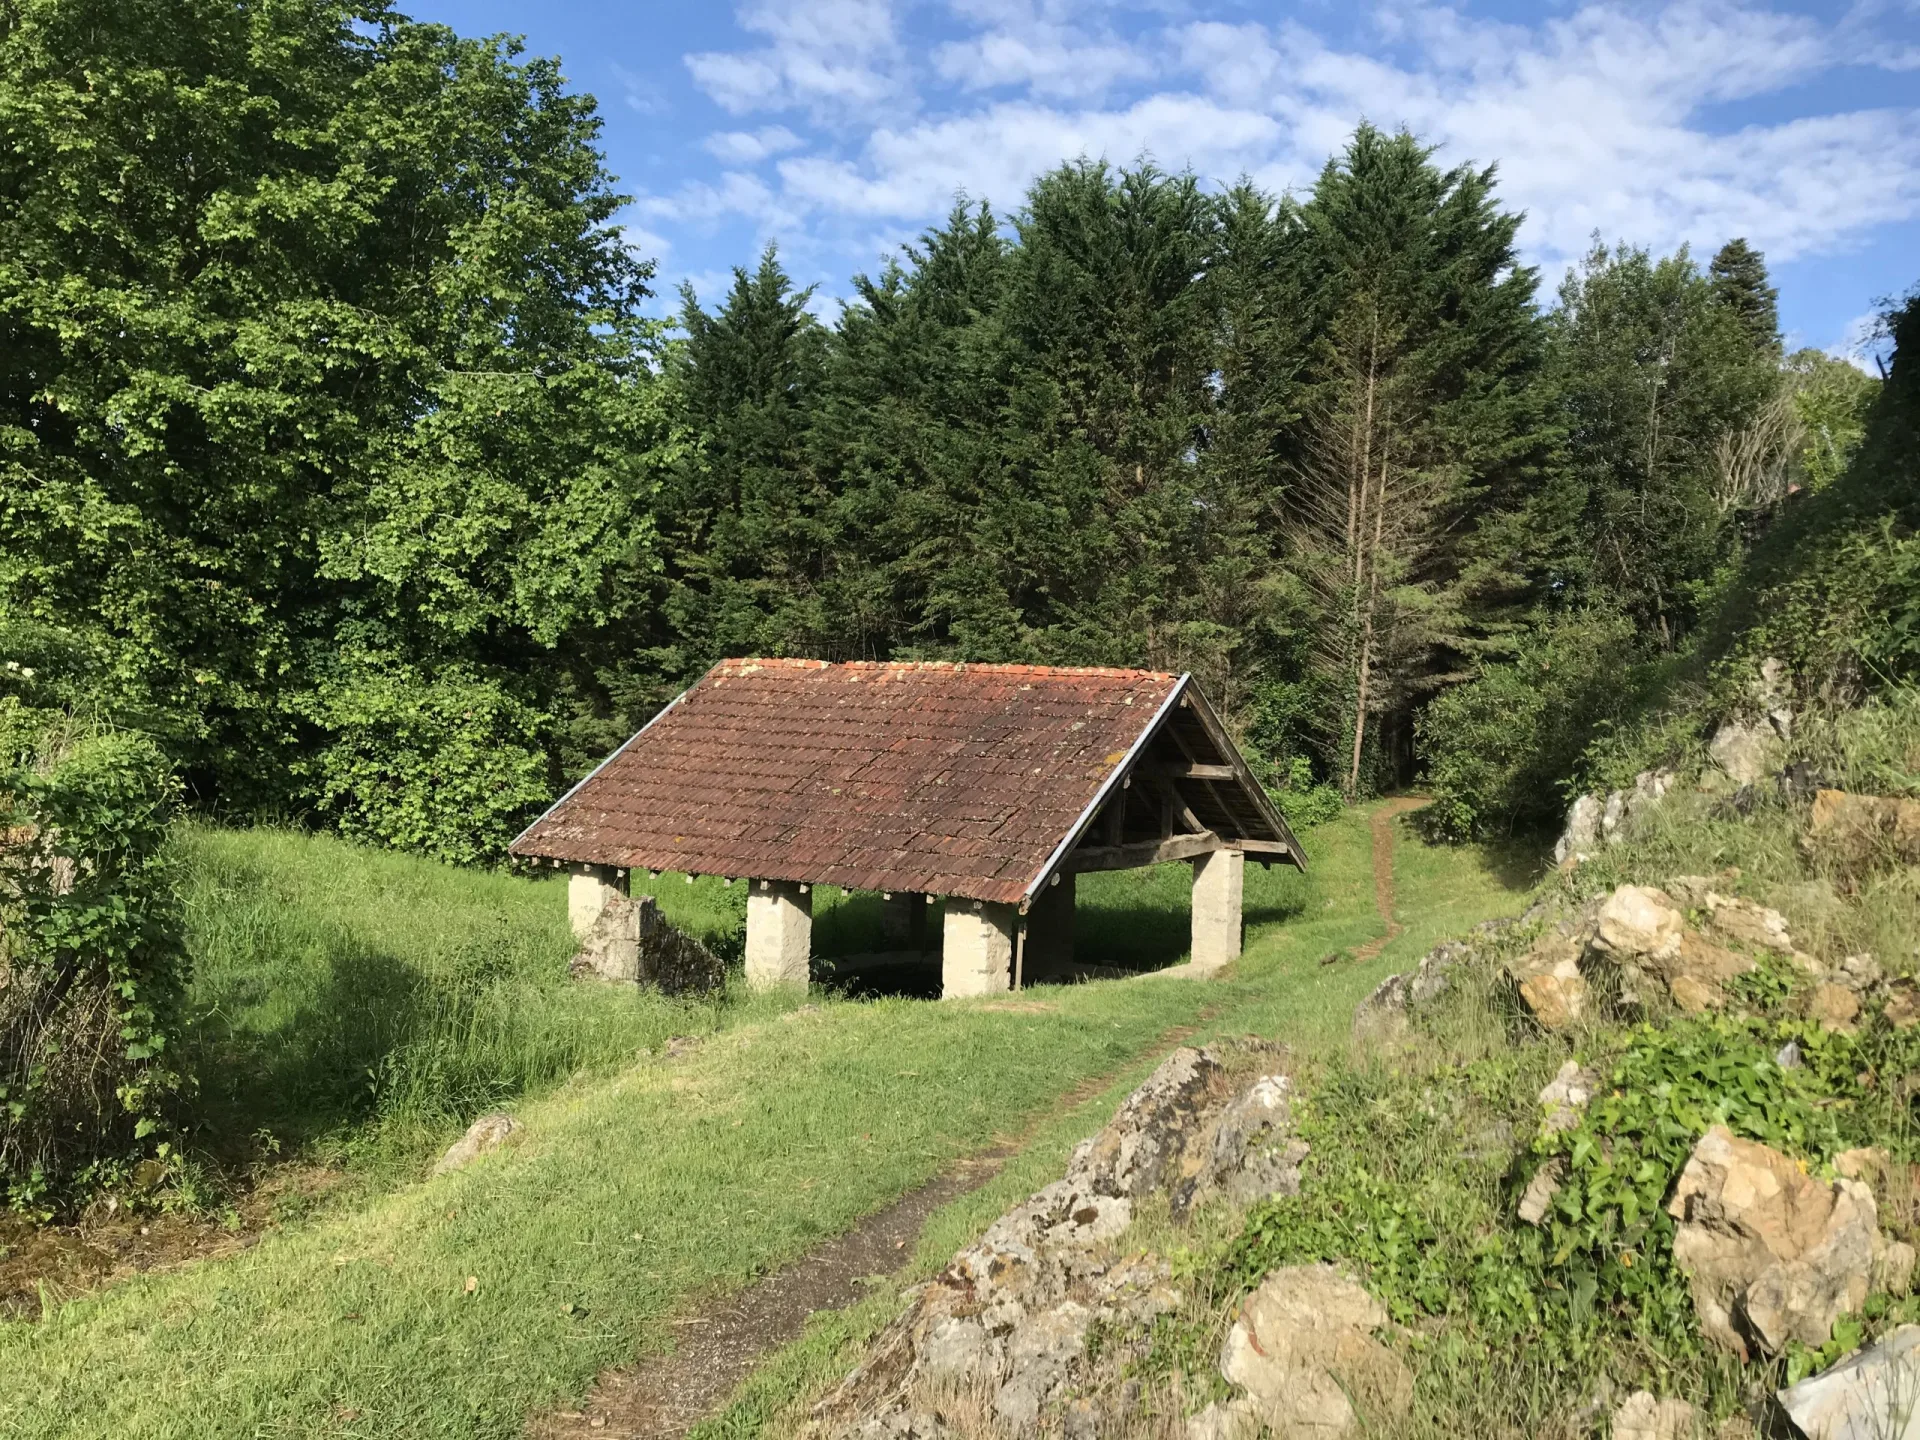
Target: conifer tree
{"x": 1740, "y": 283}
{"x": 1421, "y": 415}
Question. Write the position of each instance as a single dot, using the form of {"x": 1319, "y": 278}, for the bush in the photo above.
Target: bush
{"x": 91, "y": 962}
{"x": 1501, "y": 747}
{"x": 446, "y": 764}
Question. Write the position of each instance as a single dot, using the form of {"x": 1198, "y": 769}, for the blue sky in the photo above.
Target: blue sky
{"x": 839, "y": 128}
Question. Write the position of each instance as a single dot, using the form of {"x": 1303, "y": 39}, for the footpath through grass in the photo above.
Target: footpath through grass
{"x": 636, "y": 1190}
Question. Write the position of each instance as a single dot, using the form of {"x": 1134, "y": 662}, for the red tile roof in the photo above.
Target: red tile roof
{"x": 947, "y": 779}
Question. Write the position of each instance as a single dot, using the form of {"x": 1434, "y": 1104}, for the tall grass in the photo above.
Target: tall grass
{"x": 355, "y": 1003}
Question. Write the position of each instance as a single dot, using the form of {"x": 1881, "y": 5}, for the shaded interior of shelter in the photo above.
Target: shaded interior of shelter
{"x": 1127, "y": 922}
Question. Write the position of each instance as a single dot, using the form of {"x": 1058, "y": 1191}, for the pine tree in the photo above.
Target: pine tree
{"x": 747, "y": 519}
{"x": 1740, "y": 283}
{"x": 1422, "y": 415}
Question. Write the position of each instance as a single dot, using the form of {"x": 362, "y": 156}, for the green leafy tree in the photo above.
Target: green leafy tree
{"x": 320, "y": 358}
{"x": 1739, "y": 281}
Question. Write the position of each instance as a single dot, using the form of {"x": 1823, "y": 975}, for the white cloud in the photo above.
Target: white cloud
{"x": 749, "y": 147}
{"x": 1605, "y": 118}
{"x": 828, "y": 56}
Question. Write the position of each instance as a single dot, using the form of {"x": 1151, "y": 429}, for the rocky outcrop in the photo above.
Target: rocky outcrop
{"x": 1398, "y": 994}
{"x": 487, "y": 1133}
{"x": 1858, "y": 832}
{"x": 1645, "y": 1416}
{"x": 1304, "y": 1348}
{"x": 1007, "y": 1321}
{"x": 1596, "y": 820}
{"x": 1549, "y": 980}
{"x": 1873, "y": 1394}
{"x": 1771, "y": 1253}
{"x": 1639, "y": 942}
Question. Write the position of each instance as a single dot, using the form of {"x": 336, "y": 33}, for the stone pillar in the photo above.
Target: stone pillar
{"x": 590, "y": 888}
{"x": 1049, "y": 951}
{"x": 779, "y": 934}
{"x": 976, "y": 955}
{"x": 903, "y": 921}
{"x": 1218, "y": 879}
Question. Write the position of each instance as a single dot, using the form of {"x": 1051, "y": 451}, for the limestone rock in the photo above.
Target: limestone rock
{"x": 1859, "y": 831}
{"x": 1903, "y": 1004}
{"x": 1747, "y": 750}
{"x": 955, "y": 1350}
{"x": 1254, "y": 1153}
{"x": 1549, "y": 981}
{"x": 1304, "y": 1350}
{"x": 489, "y": 1132}
{"x": 1694, "y": 995}
{"x": 1893, "y": 1262}
{"x": 1039, "y": 1356}
{"x": 1582, "y": 834}
{"x": 1771, "y": 1253}
{"x": 1873, "y": 1394}
{"x": 1143, "y": 1142}
{"x": 1859, "y": 973}
{"x": 1746, "y": 923}
{"x": 1834, "y": 1007}
{"x": 1236, "y": 1420}
{"x": 1639, "y": 923}
{"x": 1565, "y": 1096}
{"x": 1643, "y": 1416}
{"x": 1545, "y": 1184}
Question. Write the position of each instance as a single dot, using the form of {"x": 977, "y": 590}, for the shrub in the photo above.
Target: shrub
{"x": 1500, "y": 747}
{"x": 447, "y": 764}
{"x": 91, "y": 963}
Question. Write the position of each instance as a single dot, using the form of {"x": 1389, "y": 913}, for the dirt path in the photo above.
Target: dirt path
{"x": 717, "y": 1346}
{"x": 1382, "y": 828}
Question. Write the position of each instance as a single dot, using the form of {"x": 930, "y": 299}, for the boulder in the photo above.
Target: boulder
{"x": 1873, "y": 1394}
{"x": 1141, "y": 1146}
{"x": 1902, "y": 1005}
{"x": 1565, "y": 1096}
{"x": 1834, "y": 1007}
{"x": 1582, "y": 834}
{"x": 1549, "y": 981}
{"x": 1857, "y": 832}
{"x": 1639, "y": 924}
{"x": 1747, "y": 750}
{"x": 1304, "y": 1350}
{"x": 1254, "y": 1153}
{"x": 1746, "y": 923}
{"x": 1893, "y": 1262}
{"x": 1771, "y": 1253}
{"x": 1644, "y": 1416}
{"x": 489, "y": 1132}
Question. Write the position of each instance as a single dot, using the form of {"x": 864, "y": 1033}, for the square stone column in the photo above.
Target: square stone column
{"x": 976, "y": 954}
{"x": 779, "y": 934}
{"x": 590, "y": 889}
{"x": 1049, "y": 952}
{"x": 903, "y": 921}
{"x": 1218, "y": 880}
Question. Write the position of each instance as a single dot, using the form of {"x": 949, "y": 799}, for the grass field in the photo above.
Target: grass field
{"x": 639, "y": 1182}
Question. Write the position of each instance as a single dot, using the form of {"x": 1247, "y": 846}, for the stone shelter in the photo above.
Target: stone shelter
{"x": 987, "y": 786}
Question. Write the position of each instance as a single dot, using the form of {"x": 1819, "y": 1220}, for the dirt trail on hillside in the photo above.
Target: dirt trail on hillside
{"x": 1382, "y": 825}
{"x": 718, "y": 1345}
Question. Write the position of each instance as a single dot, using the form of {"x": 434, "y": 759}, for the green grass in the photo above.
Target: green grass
{"x": 635, "y": 1187}
{"x": 352, "y": 1003}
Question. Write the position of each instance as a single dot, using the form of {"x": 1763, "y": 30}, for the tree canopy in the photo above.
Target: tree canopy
{"x": 337, "y": 453}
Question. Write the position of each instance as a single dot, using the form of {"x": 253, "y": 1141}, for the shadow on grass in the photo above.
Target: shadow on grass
{"x": 299, "y": 1071}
